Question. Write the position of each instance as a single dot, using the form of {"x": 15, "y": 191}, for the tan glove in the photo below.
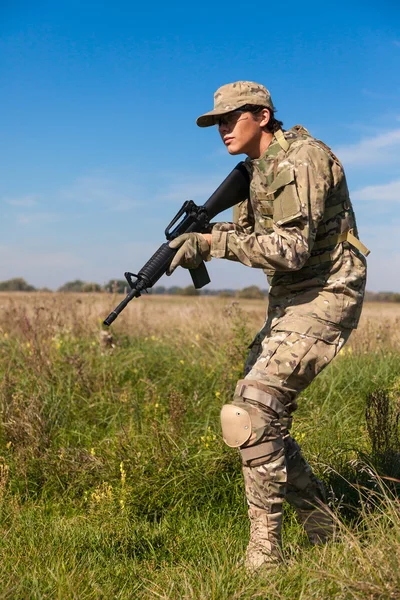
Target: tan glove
{"x": 193, "y": 249}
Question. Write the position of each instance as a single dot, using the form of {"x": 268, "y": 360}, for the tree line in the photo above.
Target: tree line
{"x": 120, "y": 286}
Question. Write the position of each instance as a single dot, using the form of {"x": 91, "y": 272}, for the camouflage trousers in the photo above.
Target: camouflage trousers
{"x": 280, "y": 366}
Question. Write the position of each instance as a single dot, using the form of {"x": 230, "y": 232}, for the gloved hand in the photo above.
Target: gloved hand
{"x": 193, "y": 249}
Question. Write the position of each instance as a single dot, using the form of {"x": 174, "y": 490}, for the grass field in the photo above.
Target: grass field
{"x": 114, "y": 481}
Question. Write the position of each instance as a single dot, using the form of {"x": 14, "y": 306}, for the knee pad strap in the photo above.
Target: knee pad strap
{"x": 262, "y": 450}
{"x": 252, "y": 392}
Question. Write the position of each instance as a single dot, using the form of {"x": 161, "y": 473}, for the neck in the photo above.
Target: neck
{"x": 262, "y": 145}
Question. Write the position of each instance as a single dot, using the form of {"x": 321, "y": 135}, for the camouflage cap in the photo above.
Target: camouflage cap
{"x": 232, "y": 96}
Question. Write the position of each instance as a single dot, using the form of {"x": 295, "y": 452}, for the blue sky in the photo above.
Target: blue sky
{"x": 99, "y": 145}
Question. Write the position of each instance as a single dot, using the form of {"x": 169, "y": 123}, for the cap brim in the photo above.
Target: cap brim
{"x": 211, "y": 118}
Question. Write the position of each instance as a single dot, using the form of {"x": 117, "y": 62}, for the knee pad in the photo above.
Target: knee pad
{"x": 236, "y": 425}
{"x": 251, "y": 430}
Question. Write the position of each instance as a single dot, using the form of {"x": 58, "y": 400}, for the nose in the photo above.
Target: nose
{"x": 224, "y": 128}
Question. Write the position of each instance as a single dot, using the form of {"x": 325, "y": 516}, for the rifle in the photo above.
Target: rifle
{"x": 234, "y": 189}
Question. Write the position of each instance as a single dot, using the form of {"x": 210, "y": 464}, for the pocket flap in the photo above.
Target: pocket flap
{"x": 282, "y": 179}
{"x": 265, "y": 207}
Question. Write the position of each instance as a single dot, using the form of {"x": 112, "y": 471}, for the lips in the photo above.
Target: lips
{"x": 227, "y": 140}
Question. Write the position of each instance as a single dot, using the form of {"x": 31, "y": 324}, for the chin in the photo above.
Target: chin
{"x": 234, "y": 151}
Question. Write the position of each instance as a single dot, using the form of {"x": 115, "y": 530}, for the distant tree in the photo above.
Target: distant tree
{"x": 382, "y": 296}
{"x": 91, "y": 287}
{"x": 160, "y": 289}
{"x": 174, "y": 290}
{"x": 190, "y": 290}
{"x": 16, "y": 285}
{"x": 116, "y": 286}
{"x": 226, "y": 293}
{"x": 72, "y": 286}
{"x": 252, "y": 292}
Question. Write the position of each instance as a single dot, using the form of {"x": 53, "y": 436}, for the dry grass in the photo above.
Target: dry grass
{"x": 164, "y": 316}
{"x": 115, "y": 482}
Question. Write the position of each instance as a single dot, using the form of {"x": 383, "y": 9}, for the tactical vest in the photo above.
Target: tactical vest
{"x": 338, "y": 222}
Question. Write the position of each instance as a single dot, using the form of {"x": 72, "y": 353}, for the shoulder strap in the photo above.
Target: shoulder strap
{"x": 282, "y": 141}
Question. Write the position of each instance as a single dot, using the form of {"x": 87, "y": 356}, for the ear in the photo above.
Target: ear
{"x": 265, "y": 117}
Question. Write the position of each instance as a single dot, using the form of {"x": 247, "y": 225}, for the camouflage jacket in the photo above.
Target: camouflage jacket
{"x": 299, "y": 203}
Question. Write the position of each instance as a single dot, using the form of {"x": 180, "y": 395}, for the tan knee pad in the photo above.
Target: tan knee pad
{"x": 236, "y": 425}
{"x": 250, "y": 429}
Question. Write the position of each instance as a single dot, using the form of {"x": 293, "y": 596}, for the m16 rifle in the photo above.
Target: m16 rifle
{"x": 190, "y": 218}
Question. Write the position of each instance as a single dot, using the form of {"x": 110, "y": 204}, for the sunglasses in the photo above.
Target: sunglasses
{"x": 231, "y": 118}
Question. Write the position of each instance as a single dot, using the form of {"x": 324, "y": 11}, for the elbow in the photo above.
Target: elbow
{"x": 292, "y": 261}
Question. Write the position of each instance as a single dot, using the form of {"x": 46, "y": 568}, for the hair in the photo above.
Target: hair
{"x": 273, "y": 124}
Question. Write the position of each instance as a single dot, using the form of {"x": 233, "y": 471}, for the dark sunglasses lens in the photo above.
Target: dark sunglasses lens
{"x": 230, "y": 118}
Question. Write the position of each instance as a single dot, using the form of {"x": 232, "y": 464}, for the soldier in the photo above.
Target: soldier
{"x": 298, "y": 225}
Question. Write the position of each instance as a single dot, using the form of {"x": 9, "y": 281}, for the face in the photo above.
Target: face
{"x": 243, "y": 132}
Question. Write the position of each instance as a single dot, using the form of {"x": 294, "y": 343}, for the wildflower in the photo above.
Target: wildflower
{"x": 197, "y": 337}
{"x": 103, "y": 492}
{"x": 182, "y": 362}
{"x": 123, "y": 473}
{"x": 217, "y": 394}
{"x": 92, "y": 451}
{"x": 6, "y": 335}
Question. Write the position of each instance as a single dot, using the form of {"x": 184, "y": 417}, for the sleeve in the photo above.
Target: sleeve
{"x": 243, "y": 220}
{"x": 298, "y": 192}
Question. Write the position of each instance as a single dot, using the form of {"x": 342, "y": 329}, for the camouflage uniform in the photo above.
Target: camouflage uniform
{"x": 298, "y": 225}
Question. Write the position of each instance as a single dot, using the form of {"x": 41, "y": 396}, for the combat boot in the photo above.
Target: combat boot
{"x": 306, "y": 493}
{"x": 318, "y": 524}
{"x": 264, "y": 548}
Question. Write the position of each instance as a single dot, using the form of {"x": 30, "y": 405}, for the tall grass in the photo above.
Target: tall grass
{"x": 114, "y": 481}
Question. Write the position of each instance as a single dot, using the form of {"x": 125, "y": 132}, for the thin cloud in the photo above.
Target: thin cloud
{"x": 389, "y": 192}
{"x": 25, "y": 201}
{"x": 382, "y": 269}
{"x": 41, "y": 217}
{"x": 103, "y": 192}
{"x": 18, "y": 259}
{"x": 192, "y": 189}
{"x": 384, "y": 147}
{"x": 384, "y": 260}
{"x": 378, "y": 95}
